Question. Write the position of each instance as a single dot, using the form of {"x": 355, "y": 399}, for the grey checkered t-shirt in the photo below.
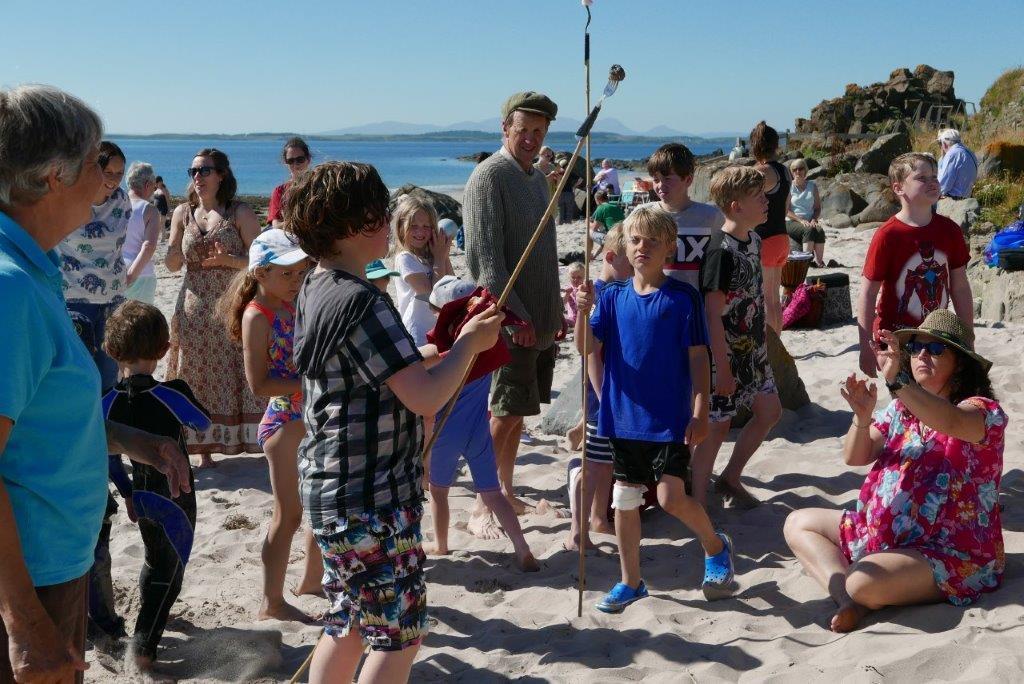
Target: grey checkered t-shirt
{"x": 361, "y": 452}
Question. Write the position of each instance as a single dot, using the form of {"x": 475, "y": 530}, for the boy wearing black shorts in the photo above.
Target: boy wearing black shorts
{"x": 649, "y": 340}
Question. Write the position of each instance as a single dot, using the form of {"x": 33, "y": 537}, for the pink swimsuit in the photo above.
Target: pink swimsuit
{"x": 283, "y": 409}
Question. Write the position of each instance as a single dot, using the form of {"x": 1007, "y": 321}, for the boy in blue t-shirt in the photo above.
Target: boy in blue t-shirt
{"x": 650, "y": 342}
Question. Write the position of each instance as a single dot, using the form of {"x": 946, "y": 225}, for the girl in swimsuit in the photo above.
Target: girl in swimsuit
{"x": 259, "y": 312}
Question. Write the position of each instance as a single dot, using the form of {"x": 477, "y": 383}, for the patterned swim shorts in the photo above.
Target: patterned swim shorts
{"x": 280, "y": 410}
{"x": 373, "y": 578}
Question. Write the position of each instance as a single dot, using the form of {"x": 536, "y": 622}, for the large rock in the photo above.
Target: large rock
{"x": 840, "y": 221}
{"x": 962, "y": 212}
{"x": 882, "y": 209}
{"x": 840, "y": 199}
{"x": 792, "y": 392}
{"x": 1001, "y": 157}
{"x": 882, "y": 152}
{"x": 445, "y": 206}
{"x": 838, "y": 163}
{"x": 867, "y": 185}
{"x": 1000, "y": 293}
{"x": 566, "y": 409}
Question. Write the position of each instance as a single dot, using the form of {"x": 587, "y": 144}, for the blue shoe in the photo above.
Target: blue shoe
{"x": 719, "y": 578}
{"x": 621, "y": 596}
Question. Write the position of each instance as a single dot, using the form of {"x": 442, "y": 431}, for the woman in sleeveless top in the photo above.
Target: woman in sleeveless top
{"x": 802, "y": 211}
{"x": 210, "y": 236}
{"x": 764, "y": 144}
{"x": 143, "y": 234}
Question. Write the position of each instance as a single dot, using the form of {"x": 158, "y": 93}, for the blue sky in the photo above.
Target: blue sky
{"x": 695, "y": 65}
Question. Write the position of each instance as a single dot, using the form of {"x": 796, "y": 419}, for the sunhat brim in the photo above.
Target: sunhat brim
{"x": 946, "y": 338}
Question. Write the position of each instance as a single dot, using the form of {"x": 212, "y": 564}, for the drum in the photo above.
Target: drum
{"x": 795, "y": 270}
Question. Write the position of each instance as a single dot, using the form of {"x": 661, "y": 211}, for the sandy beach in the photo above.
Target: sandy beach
{"x": 491, "y": 623}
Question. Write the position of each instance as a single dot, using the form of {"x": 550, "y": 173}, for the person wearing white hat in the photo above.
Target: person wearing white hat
{"x": 958, "y": 167}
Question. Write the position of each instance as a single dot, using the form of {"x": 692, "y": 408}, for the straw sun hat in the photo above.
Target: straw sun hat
{"x": 944, "y": 325}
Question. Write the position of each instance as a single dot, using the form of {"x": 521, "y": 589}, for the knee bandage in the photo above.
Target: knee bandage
{"x": 626, "y": 498}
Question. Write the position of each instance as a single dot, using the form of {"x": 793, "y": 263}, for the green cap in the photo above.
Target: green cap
{"x": 530, "y": 101}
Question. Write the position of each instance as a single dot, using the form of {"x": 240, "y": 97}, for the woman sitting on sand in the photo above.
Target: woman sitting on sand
{"x": 926, "y": 527}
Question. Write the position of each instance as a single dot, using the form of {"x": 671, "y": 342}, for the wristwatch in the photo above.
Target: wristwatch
{"x": 901, "y": 380}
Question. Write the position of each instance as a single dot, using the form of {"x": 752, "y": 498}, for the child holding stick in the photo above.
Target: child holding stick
{"x": 649, "y": 341}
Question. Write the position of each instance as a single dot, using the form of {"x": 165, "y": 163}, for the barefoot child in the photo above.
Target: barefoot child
{"x": 596, "y": 492}
{"x": 734, "y": 297}
{"x": 467, "y": 433}
{"x": 576, "y": 278}
{"x": 137, "y": 337}
{"x": 260, "y": 313}
{"x": 364, "y": 387}
{"x": 650, "y": 342}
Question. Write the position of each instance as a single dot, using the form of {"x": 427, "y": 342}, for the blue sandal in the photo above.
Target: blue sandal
{"x": 719, "y": 577}
{"x": 621, "y": 596}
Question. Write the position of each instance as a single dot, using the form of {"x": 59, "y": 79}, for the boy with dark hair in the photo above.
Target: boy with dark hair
{"x": 606, "y": 215}
{"x": 365, "y": 387}
{"x": 648, "y": 341}
{"x": 671, "y": 167}
{"x": 137, "y": 337}
{"x": 734, "y": 297}
{"x": 917, "y": 259}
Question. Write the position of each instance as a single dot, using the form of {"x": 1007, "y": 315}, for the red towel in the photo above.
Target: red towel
{"x": 453, "y": 317}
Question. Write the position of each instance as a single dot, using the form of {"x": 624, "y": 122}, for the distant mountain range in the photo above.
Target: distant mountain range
{"x": 563, "y": 124}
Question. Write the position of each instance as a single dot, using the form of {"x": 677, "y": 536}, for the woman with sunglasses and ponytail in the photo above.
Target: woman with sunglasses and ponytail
{"x": 297, "y": 157}
{"x": 926, "y": 527}
{"x": 210, "y": 236}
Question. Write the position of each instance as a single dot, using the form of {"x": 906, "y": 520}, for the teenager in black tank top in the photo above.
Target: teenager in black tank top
{"x": 775, "y": 224}
{"x": 764, "y": 144}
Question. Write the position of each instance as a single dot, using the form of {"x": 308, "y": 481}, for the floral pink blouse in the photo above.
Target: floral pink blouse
{"x": 937, "y": 495}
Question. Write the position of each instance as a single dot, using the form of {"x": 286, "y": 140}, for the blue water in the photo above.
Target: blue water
{"x": 258, "y": 168}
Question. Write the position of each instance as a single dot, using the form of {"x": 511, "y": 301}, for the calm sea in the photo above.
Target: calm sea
{"x": 257, "y": 165}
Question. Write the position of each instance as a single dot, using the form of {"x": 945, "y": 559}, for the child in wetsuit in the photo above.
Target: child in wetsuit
{"x": 137, "y": 337}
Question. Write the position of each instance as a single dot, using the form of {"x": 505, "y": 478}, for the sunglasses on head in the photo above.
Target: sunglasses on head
{"x": 935, "y": 348}
{"x": 292, "y": 161}
{"x": 203, "y": 171}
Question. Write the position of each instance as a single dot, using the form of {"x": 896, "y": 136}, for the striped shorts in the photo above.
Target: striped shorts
{"x": 599, "y": 449}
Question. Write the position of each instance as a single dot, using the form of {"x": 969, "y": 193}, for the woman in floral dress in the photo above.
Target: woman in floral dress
{"x": 926, "y": 526}
{"x": 210, "y": 237}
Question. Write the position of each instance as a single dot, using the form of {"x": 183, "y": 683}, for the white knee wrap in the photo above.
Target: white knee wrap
{"x": 626, "y": 498}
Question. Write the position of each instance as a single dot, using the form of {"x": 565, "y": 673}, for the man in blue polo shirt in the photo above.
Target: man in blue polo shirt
{"x": 958, "y": 167}
{"x": 53, "y": 440}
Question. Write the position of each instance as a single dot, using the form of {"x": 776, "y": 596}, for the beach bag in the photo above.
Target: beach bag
{"x": 1011, "y": 259}
{"x": 1011, "y": 237}
{"x": 836, "y": 307}
{"x": 805, "y": 307}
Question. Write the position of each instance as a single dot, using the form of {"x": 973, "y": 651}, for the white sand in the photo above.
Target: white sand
{"x": 494, "y": 623}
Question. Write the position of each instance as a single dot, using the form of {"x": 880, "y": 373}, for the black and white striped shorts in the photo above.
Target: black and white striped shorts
{"x": 598, "y": 448}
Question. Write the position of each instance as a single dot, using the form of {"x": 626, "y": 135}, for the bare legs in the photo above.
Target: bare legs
{"x": 284, "y": 481}
{"x": 590, "y": 496}
{"x": 766, "y": 411}
{"x": 505, "y": 433}
{"x": 674, "y": 501}
{"x": 889, "y": 578}
{"x": 818, "y": 250}
{"x": 337, "y": 658}
{"x": 772, "y": 302}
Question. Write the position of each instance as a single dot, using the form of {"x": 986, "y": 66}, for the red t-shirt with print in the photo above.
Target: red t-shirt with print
{"x": 914, "y": 266}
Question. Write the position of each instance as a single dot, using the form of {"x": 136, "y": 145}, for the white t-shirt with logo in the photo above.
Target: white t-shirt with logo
{"x": 694, "y": 226}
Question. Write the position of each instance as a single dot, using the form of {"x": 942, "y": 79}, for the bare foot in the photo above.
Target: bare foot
{"x": 311, "y": 590}
{"x": 602, "y": 526}
{"x": 736, "y": 495}
{"x": 573, "y": 544}
{"x": 848, "y": 617}
{"x": 435, "y": 550}
{"x": 484, "y": 526}
{"x": 285, "y": 612}
{"x": 145, "y": 667}
{"x": 575, "y": 437}
{"x": 206, "y": 461}
{"x": 518, "y": 505}
{"x": 527, "y": 563}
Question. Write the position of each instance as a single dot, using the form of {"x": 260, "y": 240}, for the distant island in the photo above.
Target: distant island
{"x": 555, "y": 137}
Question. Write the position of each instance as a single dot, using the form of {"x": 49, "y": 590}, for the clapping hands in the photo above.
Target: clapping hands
{"x": 861, "y": 395}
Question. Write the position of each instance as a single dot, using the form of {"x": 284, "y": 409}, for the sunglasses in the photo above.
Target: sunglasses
{"x": 933, "y": 348}
{"x": 203, "y": 171}
{"x": 292, "y": 161}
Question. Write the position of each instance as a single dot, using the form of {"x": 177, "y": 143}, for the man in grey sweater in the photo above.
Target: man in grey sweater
{"x": 504, "y": 201}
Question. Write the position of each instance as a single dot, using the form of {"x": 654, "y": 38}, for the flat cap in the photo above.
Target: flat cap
{"x": 530, "y": 101}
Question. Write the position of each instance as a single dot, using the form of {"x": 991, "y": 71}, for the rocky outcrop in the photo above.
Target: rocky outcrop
{"x": 962, "y": 212}
{"x": 1001, "y": 157}
{"x": 882, "y": 152}
{"x": 445, "y": 206}
{"x": 850, "y": 199}
{"x": 998, "y": 295}
{"x": 863, "y": 108}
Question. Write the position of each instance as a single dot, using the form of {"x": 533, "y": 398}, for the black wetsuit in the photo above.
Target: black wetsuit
{"x": 166, "y": 524}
